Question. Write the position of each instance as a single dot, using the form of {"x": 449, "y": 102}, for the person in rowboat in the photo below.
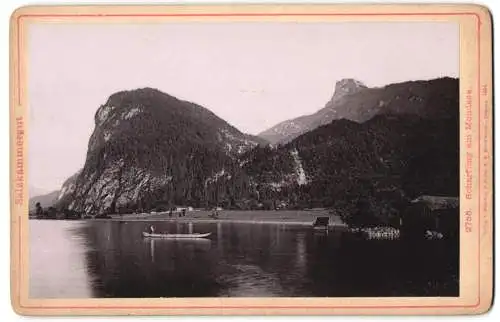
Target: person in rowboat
{"x": 152, "y": 231}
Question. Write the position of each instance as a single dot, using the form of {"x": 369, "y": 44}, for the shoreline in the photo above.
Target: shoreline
{"x": 276, "y": 217}
{"x": 202, "y": 220}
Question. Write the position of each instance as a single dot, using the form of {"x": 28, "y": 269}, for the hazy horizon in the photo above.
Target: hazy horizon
{"x": 253, "y": 75}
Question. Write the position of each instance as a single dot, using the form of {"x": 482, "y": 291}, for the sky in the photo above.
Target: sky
{"x": 253, "y": 75}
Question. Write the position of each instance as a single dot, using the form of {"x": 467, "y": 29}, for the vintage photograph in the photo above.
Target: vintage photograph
{"x": 243, "y": 159}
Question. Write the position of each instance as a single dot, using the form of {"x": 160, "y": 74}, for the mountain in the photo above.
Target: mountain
{"x": 373, "y": 164}
{"x": 68, "y": 188}
{"x": 353, "y": 101}
{"x": 151, "y": 149}
{"x": 377, "y": 165}
{"x": 45, "y": 200}
{"x": 35, "y": 191}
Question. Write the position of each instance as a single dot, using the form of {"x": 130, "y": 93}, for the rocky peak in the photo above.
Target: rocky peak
{"x": 347, "y": 86}
{"x": 130, "y": 103}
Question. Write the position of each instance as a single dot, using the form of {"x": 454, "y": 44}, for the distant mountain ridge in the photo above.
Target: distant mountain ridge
{"x": 352, "y": 100}
{"x": 45, "y": 200}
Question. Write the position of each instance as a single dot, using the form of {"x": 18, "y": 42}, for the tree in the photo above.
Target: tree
{"x": 39, "y": 209}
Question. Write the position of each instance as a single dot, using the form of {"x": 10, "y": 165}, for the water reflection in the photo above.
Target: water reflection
{"x": 57, "y": 261}
{"x": 301, "y": 261}
{"x": 152, "y": 242}
{"x": 112, "y": 259}
{"x": 170, "y": 245}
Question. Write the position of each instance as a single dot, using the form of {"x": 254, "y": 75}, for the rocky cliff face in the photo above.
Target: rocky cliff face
{"x": 68, "y": 187}
{"x": 353, "y": 101}
{"x": 149, "y": 146}
{"x": 55, "y": 197}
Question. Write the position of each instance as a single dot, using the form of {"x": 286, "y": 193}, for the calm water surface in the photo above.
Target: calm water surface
{"x": 82, "y": 259}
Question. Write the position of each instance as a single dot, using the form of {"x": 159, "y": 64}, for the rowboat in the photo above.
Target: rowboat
{"x": 176, "y": 236}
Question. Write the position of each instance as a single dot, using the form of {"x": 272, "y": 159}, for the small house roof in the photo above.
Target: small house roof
{"x": 322, "y": 221}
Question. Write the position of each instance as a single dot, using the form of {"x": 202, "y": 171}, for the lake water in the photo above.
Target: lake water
{"x": 89, "y": 259}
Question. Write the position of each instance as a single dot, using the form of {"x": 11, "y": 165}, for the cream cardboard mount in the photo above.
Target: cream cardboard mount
{"x": 251, "y": 159}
